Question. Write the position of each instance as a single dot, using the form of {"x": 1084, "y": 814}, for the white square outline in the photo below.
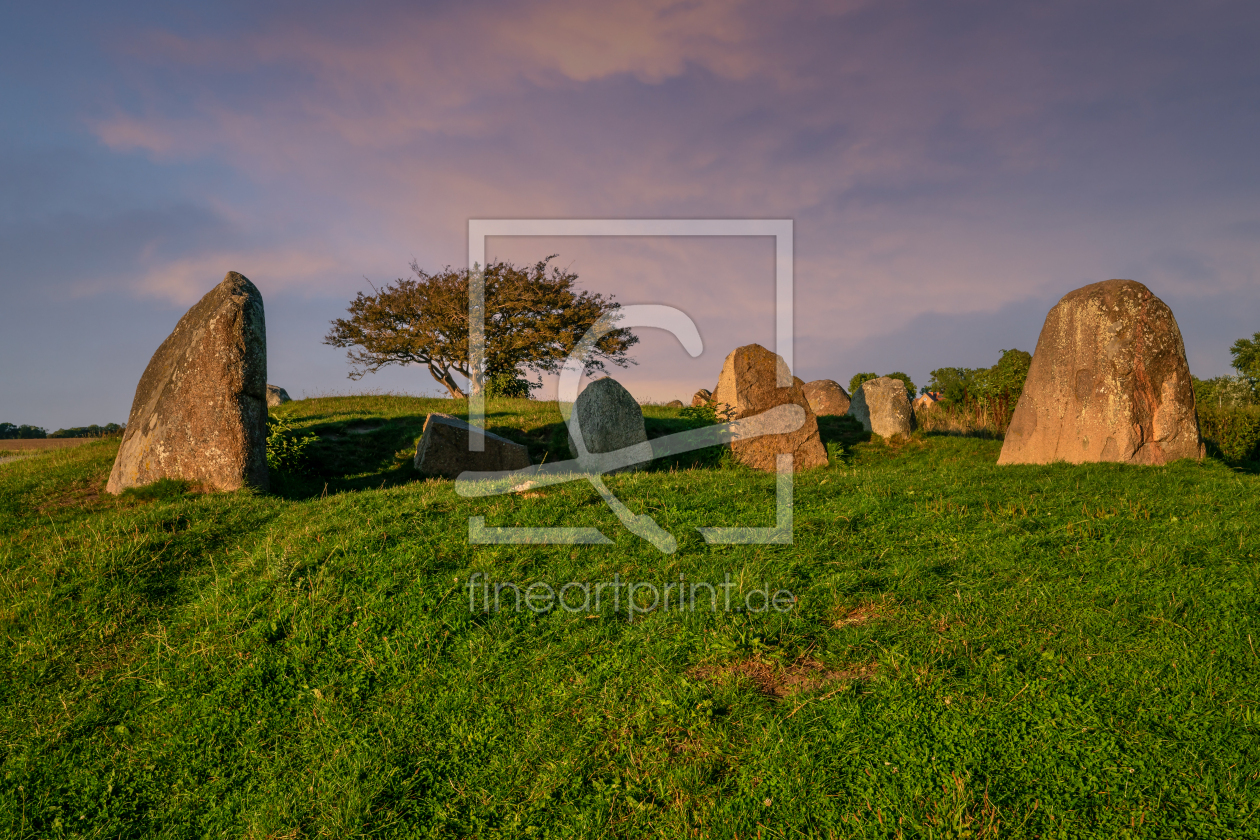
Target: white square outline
{"x": 780, "y": 229}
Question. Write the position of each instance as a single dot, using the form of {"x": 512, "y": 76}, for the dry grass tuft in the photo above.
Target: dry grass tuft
{"x": 864, "y": 613}
{"x": 776, "y": 680}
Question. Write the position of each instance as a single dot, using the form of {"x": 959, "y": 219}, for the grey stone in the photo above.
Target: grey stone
{"x": 443, "y": 450}
{"x": 882, "y": 406}
{"x": 610, "y": 419}
{"x": 200, "y": 410}
{"x": 276, "y": 396}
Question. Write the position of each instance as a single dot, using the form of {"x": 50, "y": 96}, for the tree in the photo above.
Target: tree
{"x": 1246, "y": 353}
{"x": 858, "y": 379}
{"x": 534, "y": 316}
{"x": 8, "y": 431}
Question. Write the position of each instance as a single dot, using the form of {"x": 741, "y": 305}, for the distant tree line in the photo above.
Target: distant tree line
{"x": 8, "y": 431}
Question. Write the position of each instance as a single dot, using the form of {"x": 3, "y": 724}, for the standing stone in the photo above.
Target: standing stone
{"x": 882, "y": 406}
{"x": 443, "y": 450}
{"x": 702, "y": 398}
{"x": 1108, "y": 382}
{"x": 610, "y": 419}
{"x": 276, "y": 396}
{"x": 200, "y": 411}
{"x": 826, "y": 397}
{"x": 749, "y": 386}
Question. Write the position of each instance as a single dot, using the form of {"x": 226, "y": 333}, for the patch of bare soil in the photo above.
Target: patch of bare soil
{"x": 776, "y": 680}
{"x": 864, "y": 613}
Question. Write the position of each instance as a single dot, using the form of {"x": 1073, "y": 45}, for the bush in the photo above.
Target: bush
{"x": 509, "y": 384}
{"x": 286, "y": 450}
{"x": 1224, "y": 391}
{"x": 1231, "y": 432}
{"x": 858, "y": 379}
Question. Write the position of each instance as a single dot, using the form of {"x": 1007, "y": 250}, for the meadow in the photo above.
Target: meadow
{"x": 970, "y": 651}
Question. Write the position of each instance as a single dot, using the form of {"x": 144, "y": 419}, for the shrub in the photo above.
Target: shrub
{"x": 1224, "y": 391}
{"x": 509, "y": 384}
{"x": 858, "y": 379}
{"x": 1231, "y": 432}
{"x": 286, "y": 450}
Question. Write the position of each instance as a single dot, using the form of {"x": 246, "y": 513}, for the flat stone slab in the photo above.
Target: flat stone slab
{"x": 443, "y": 450}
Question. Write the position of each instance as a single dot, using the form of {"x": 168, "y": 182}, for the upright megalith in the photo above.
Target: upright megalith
{"x": 749, "y": 386}
{"x": 200, "y": 410}
{"x": 826, "y": 397}
{"x": 1108, "y": 382}
{"x": 882, "y": 406}
{"x": 442, "y": 450}
{"x": 610, "y": 419}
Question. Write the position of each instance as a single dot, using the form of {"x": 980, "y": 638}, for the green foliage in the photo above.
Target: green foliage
{"x": 510, "y": 385}
{"x": 707, "y": 414}
{"x": 975, "y": 651}
{"x": 287, "y": 450}
{"x": 8, "y": 431}
{"x": 1224, "y": 391}
{"x": 1231, "y": 431}
{"x": 1246, "y": 353}
{"x": 858, "y": 379}
{"x": 995, "y": 390}
{"x": 88, "y": 431}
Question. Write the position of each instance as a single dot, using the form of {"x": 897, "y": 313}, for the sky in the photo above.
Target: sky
{"x": 951, "y": 169}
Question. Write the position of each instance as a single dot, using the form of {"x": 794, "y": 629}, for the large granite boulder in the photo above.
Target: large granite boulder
{"x": 443, "y": 450}
{"x": 748, "y": 386}
{"x": 610, "y": 419}
{"x": 1108, "y": 382}
{"x": 277, "y": 396}
{"x": 826, "y": 397}
{"x": 702, "y": 398}
{"x": 200, "y": 410}
{"x": 882, "y": 406}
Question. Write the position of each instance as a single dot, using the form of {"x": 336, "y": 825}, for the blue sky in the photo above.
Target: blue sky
{"x": 952, "y": 168}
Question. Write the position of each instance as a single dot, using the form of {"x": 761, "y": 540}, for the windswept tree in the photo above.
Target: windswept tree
{"x": 533, "y": 318}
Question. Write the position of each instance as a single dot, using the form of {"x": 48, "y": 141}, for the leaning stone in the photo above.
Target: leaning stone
{"x": 443, "y": 450}
{"x": 702, "y": 398}
{"x": 882, "y": 406}
{"x": 610, "y": 419}
{"x": 276, "y": 396}
{"x": 1108, "y": 382}
{"x": 826, "y": 397}
{"x": 749, "y": 386}
{"x": 200, "y": 410}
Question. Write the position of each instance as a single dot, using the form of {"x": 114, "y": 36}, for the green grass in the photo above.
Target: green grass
{"x": 1034, "y": 651}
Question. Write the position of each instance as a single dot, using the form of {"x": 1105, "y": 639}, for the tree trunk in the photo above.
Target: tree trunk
{"x": 443, "y": 375}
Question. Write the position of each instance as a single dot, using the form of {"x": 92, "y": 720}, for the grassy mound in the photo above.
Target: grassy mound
{"x": 968, "y": 651}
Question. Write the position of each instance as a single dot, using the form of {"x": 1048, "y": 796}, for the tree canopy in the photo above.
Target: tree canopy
{"x": 1246, "y": 353}
{"x": 533, "y": 318}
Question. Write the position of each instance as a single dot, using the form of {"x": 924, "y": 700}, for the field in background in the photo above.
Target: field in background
{"x": 41, "y": 443}
{"x": 974, "y": 651}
